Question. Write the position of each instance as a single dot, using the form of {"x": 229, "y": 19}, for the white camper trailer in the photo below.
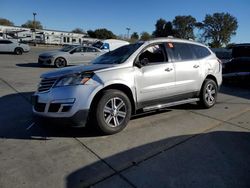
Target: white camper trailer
{"x": 110, "y": 44}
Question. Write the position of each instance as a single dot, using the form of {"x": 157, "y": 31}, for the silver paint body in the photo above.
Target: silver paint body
{"x": 151, "y": 82}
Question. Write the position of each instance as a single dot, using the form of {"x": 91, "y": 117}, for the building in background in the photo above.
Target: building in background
{"x": 43, "y": 36}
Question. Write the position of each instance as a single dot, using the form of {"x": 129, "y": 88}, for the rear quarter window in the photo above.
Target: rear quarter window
{"x": 199, "y": 51}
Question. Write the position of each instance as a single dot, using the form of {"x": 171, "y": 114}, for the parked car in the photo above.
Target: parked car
{"x": 143, "y": 76}
{"x": 224, "y": 54}
{"x": 13, "y": 46}
{"x": 110, "y": 44}
{"x": 239, "y": 65}
{"x": 70, "y": 54}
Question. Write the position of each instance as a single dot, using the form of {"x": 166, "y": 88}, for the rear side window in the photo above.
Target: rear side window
{"x": 5, "y": 42}
{"x": 199, "y": 51}
{"x": 182, "y": 52}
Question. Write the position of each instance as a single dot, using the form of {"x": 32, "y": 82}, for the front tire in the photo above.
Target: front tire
{"x": 18, "y": 51}
{"x": 113, "y": 111}
{"x": 208, "y": 94}
{"x": 60, "y": 62}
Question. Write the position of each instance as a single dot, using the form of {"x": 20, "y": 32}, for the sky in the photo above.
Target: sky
{"x": 117, "y": 15}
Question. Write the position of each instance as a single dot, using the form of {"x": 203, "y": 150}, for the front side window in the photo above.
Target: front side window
{"x": 67, "y": 48}
{"x": 91, "y": 49}
{"x": 153, "y": 54}
{"x": 78, "y": 50}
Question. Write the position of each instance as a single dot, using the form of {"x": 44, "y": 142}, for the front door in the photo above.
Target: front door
{"x": 155, "y": 80}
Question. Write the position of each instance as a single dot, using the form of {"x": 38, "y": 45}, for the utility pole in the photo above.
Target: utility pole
{"x": 34, "y": 27}
{"x": 128, "y": 32}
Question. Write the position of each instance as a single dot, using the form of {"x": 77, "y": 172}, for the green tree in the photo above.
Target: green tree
{"x": 77, "y": 30}
{"x": 91, "y": 33}
{"x": 31, "y": 24}
{"x": 6, "y": 22}
{"x": 163, "y": 28}
{"x": 218, "y": 29}
{"x": 184, "y": 27}
{"x": 145, "y": 36}
{"x": 104, "y": 34}
{"x": 135, "y": 36}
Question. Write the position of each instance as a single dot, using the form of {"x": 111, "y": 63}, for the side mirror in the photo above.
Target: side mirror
{"x": 144, "y": 61}
{"x": 138, "y": 64}
{"x": 71, "y": 52}
{"x": 141, "y": 63}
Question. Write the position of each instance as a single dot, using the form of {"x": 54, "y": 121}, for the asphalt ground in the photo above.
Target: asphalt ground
{"x": 183, "y": 146}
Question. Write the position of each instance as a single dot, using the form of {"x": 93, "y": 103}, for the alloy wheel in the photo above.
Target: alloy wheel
{"x": 114, "y": 112}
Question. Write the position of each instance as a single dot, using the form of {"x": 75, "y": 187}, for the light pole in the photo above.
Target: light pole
{"x": 34, "y": 20}
{"x": 128, "y": 32}
{"x": 34, "y": 27}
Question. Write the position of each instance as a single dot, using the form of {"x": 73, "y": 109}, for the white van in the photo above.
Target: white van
{"x": 109, "y": 44}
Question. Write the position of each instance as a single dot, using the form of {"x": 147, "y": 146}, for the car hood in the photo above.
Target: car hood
{"x": 74, "y": 70}
{"x": 52, "y": 53}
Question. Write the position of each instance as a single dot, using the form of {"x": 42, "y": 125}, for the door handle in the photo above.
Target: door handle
{"x": 168, "y": 69}
{"x": 196, "y": 66}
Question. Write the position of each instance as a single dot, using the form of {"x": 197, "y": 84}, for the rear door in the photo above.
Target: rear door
{"x": 187, "y": 68}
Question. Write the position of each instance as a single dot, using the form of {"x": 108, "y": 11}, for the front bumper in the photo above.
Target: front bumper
{"x": 45, "y": 61}
{"x": 79, "y": 119}
{"x": 69, "y": 104}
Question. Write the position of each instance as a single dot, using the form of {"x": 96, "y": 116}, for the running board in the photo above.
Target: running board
{"x": 155, "y": 107}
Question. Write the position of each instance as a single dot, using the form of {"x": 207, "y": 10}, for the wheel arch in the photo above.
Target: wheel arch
{"x": 118, "y": 86}
{"x": 18, "y": 48}
{"x": 55, "y": 58}
{"x": 212, "y": 78}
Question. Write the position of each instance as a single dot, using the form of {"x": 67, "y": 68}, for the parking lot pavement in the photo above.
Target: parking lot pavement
{"x": 182, "y": 146}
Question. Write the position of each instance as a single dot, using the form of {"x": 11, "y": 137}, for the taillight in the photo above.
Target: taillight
{"x": 220, "y": 64}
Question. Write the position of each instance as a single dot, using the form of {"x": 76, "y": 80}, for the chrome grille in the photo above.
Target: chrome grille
{"x": 46, "y": 84}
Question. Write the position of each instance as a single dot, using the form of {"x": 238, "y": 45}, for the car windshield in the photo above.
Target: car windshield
{"x": 117, "y": 56}
{"x": 241, "y": 51}
{"x": 67, "y": 48}
{"x": 98, "y": 44}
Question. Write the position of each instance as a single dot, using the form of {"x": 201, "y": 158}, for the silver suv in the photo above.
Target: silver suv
{"x": 144, "y": 76}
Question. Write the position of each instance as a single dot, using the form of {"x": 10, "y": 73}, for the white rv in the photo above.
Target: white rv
{"x": 110, "y": 44}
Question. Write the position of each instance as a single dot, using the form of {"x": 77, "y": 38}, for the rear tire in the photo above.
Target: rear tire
{"x": 208, "y": 94}
{"x": 18, "y": 51}
{"x": 60, "y": 62}
{"x": 112, "y": 112}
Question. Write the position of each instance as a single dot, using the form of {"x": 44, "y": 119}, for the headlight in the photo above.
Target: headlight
{"x": 79, "y": 79}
